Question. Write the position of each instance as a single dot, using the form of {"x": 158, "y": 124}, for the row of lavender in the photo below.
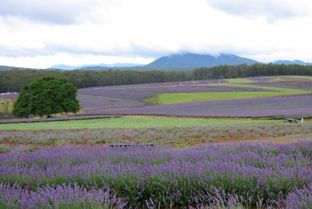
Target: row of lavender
{"x": 128, "y": 100}
{"x": 75, "y": 197}
{"x": 177, "y": 137}
{"x": 96, "y": 99}
{"x": 57, "y": 197}
{"x": 298, "y": 105}
{"x": 212, "y": 176}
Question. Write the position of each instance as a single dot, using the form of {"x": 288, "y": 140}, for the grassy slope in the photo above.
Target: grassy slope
{"x": 132, "y": 122}
{"x": 268, "y": 91}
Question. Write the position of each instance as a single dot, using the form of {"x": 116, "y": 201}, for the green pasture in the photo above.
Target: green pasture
{"x": 134, "y": 122}
{"x": 268, "y": 91}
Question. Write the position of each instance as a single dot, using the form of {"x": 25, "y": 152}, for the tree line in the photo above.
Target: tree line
{"x": 255, "y": 70}
{"x": 14, "y": 80}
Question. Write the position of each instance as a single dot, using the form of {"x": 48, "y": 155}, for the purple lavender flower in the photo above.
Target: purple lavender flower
{"x": 247, "y": 174}
{"x": 57, "y": 196}
{"x": 300, "y": 199}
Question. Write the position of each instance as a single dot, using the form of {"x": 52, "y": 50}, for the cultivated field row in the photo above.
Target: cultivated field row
{"x": 248, "y": 97}
{"x": 214, "y": 177}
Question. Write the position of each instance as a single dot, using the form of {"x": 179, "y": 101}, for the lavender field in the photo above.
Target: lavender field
{"x": 134, "y": 99}
{"x": 269, "y": 106}
{"x": 155, "y": 104}
{"x": 209, "y": 176}
{"x": 172, "y": 137}
{"x": 128, "y": 100}
{"x": 95, "y": 99}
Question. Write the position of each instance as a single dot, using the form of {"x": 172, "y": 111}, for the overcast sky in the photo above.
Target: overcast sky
{"x": 42, "y": 33}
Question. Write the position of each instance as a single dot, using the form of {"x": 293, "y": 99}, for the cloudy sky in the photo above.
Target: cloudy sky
{"x": 43, "y": 33}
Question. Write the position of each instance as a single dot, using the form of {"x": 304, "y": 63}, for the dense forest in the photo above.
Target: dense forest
{"x": 240, "y": 71}
{"x": 13, "y": 80}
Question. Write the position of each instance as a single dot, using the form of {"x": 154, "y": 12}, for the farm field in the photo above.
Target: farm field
{"x": 134, "y": 122}
{"x": 258, "y": 107}
{"x": 243, "y": 97}
{"x": 229, "y": 162}
{"x": 248, "y": 97}
{"x": 155, "y": 104}
{"x": 185, "y": 136}
{"x": 215, "y": 176}
{"x": 174, "y": 98}
{"x": 44, "y": 168}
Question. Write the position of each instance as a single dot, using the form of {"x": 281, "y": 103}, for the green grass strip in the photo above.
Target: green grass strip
{"x": 268, "y": 91}
{"x": 134, "y": 122}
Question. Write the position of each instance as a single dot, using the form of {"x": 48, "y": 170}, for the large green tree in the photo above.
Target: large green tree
{"x": 46, "y": 96}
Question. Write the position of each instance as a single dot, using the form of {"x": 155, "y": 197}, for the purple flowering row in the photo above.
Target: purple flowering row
{"x": 299, "y": 105}
{"x": 61, "y": 196}
{"x": 78, "y": 197}
{"x": 127, "y": 100}
{"x": 96, "y": 99}
{"x": 254, "y": 174}
{"x": 300, "y": 199}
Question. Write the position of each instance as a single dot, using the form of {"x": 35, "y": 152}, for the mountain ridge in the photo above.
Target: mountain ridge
{"x": 191, "y": 60}
{"x": 182, "y": 61}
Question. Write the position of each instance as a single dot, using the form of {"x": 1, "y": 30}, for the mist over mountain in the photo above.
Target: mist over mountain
{"x": 291, "y": 62}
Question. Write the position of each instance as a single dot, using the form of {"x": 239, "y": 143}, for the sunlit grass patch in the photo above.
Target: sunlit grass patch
{"x": 264, "y": 91}
{"x": 174, "y": 98}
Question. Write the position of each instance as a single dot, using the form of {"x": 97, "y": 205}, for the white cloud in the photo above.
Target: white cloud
{"x": 70, "y": 59}
{"x": 140, "y": 30}
{"x": 48, "y": 11}
{"x": 270, "y": 9}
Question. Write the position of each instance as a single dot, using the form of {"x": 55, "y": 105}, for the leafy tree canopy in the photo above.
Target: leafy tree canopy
{"x": 46, "y": 96}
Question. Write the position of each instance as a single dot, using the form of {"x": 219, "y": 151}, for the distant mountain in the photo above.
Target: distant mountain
{"x": 108, "y": 67}
{"x": 184, "y": 61}
{"x": 4, "y": 67}
{"x": 94, "y": 67}
{"x": 190, "y": 60}
{"x": 291, "y": 62}
{"x": 62, "y": 67}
